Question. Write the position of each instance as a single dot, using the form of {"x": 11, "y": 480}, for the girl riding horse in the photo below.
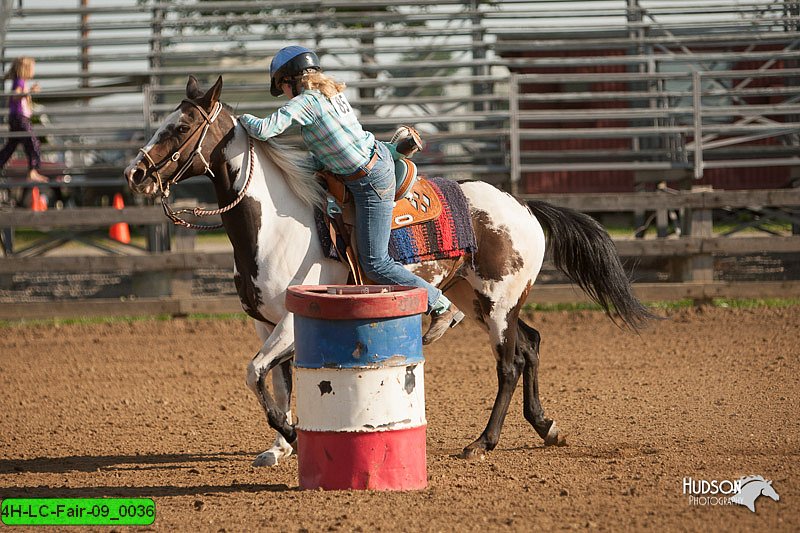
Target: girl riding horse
{"x": 338, "y": 143}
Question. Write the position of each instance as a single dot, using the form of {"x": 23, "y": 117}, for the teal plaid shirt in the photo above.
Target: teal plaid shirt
{"x": 329, "y": 127}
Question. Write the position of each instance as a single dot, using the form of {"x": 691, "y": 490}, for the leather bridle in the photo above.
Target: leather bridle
{"x": 164, "y": 185}
{"x": 155, "y": 168}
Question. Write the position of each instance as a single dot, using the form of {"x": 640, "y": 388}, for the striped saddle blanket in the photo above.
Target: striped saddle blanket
{"x": 448, "y": 236}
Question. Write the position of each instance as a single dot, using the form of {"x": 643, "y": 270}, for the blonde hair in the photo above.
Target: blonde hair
{"x": 314, "y": 79}
{"x": 21, "y": 68}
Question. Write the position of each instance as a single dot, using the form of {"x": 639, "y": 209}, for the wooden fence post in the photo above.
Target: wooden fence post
{"x": 795, "y": 177}
{"x": 181, "y": 281}
{"x": 154, "y": 284}
{"x": 7, "y": 238}
{"x": 700, "y": 267}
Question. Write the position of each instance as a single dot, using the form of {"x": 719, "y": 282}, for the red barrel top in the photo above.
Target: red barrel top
{"x": 348, "y": 302}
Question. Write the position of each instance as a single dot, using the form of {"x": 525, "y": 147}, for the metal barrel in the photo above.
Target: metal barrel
{"x": 359, "y": 386}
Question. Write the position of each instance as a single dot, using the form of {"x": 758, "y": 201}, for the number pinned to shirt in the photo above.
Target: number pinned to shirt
{"x": 341, "y": 104}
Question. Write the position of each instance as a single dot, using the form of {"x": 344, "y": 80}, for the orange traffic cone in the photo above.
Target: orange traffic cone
{"x": 38, "y": 203}
{"x": 120, "y": 231}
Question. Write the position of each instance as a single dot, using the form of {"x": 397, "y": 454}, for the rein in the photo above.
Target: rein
{"x": 164, "y": 185}
{"x": 200, "y": 212}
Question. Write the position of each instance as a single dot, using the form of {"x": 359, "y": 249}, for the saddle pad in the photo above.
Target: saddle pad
{"x": 448, "y": 236}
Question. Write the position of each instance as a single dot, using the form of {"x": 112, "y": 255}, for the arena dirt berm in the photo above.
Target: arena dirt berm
{"x": 160, "y": 409}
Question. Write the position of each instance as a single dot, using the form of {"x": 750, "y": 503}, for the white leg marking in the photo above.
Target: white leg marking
{"x": 276, "y": 343}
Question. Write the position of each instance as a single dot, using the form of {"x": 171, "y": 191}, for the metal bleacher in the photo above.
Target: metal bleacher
{"x": 480, "y": 79}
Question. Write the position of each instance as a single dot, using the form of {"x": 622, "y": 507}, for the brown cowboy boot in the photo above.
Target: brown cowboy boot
{"x": 449, "y": 318}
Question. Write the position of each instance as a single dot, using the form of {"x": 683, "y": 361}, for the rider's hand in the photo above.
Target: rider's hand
{"x": 254, "y": 126}
{"x": 247, "y": 121}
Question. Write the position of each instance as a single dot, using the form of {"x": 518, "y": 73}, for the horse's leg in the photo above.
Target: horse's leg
{"x": 528, "y": 346}
{"x": 510, "y": 364}
{"x": 282, "y": 388}
{"x": 278, "y": 349}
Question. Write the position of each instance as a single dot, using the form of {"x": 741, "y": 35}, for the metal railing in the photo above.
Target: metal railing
{"x": 706, "y": 120}
{"x": 483, "y": 91}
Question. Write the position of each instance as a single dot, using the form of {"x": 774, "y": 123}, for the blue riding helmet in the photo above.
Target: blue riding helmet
{"x": 290, "y": 61}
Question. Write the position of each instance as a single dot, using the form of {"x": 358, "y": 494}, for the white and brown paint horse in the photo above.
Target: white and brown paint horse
{"x": 267, "y": 202}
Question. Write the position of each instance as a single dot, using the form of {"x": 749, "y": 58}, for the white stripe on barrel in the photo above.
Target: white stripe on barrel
{"x": 373, "y": 399}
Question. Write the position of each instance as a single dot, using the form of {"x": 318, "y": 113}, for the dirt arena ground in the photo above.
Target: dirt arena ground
{"x": 160, "y": 409}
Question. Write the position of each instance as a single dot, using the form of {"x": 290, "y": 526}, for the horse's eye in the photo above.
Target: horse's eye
{"x": 183, "y": 129}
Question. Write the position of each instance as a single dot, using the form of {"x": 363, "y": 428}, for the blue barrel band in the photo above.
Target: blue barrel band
{"x": 358, "y": 343}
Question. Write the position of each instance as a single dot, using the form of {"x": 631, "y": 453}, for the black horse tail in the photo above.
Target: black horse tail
{"x": 583, "y": 250}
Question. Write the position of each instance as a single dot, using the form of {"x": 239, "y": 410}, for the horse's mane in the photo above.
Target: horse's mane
{"x": 745, "y": 480}
{"x": 296, "y": 168}
{"x": 295, "y": 165}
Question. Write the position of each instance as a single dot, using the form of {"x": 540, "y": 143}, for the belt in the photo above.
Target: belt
{"x": 362, "y": 171}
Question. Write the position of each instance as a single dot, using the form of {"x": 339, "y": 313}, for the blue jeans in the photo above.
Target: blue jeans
{"x": 374, "y": 199}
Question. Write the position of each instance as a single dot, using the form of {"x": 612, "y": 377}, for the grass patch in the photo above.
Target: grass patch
{"x": 529, "y": 308}
{"x": 678, "y": 304}
{"x": 117, "y": 319}
{"x": 242, "y": 317}
{"x": 756, "y": 302}
{"x": 82, "y": 320}
{"x": 545, "y": 308}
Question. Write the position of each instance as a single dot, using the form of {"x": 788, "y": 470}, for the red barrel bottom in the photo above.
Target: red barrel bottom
{"x": 381, "y": 460}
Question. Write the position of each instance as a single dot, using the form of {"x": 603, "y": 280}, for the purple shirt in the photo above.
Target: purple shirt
{"x": 20, "y": 105}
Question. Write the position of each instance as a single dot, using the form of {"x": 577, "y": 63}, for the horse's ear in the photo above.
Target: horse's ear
{"x": 212, "y": 95}
{"x": 192, "y": 89}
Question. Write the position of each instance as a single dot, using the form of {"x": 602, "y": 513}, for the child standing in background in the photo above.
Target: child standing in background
{"x": 20, "y": 110}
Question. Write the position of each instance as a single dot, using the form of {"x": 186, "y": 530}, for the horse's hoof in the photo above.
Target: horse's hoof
{"x": 473, "y": 454}
{"x": 555, "y": 437}
{"x": 267, "y": 458}
{"x": 271, "y": 457}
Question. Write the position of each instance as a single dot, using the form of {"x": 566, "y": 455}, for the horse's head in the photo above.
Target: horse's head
{"x": 769, "y": 491}
{"x": 182, "y": 145}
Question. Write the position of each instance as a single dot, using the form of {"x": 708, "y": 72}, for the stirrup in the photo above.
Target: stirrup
{"x": 408, "y": 141}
